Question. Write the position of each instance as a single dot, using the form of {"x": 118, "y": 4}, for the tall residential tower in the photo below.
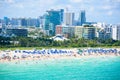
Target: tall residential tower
{"x": 69, "y": 18}
{"x": 82, "y": 18}
{"x": 51, "y": 19}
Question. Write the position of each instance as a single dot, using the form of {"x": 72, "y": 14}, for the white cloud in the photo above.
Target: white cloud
{"x": 106, "y": 7}
{"x": 91, "y": 9}
{"x": 62, "y": 6}
{"x": 39, "y": 4}
{"x": 76, "y": 1}
{"x": 115, "y": 0}
{"x": 110, "y": 13}
{"x": 18, "y": 5}
{"x": 112, "y": 0}
{"x": 38, "y": 7}
{"x": 7, "y": 1}
{"x": 10, "y": 1}
{"x": 48, "y": 2}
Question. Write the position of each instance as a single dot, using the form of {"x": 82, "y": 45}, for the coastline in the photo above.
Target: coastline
{"x": 46, "y": 54}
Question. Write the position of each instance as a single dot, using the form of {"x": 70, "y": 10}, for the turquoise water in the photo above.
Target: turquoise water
{"x": 99, "y": 68}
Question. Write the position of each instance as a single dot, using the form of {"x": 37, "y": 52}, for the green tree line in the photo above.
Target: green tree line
{"x": 46, "y": 42}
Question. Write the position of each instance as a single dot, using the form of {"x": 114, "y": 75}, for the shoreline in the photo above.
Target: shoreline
{"x": 56, "y": 58}
{"x": 46, "y": 54}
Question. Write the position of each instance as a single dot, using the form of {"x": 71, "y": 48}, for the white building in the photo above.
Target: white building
{"x": 0, "y": 25}
{"x": 116, "y": 32}
{"x": 100, "y": 25}
{"x": 59, "y": 38}
{"x": 69, "y": 18}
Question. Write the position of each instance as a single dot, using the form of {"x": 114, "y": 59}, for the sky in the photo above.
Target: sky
{"x": 107, "y": 11}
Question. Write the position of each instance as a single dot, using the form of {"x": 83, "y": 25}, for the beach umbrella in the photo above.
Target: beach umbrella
{"x": 80, "y": 51}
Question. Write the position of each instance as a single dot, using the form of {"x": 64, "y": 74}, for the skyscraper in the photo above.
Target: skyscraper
{"x": 82, "y": 18}
{"x": 22, "y": 22}
{"x": 6, "y": 20}
{"x": 51, "y": 19}
{"x": 41, "y": 21}
{"x": 33, "y": 22}
{"x": 116, "y": 32}
{"x": 0, "y": 21}
{"x": 14, "y": 21}
{"x": 61, "y": 15}
{"x": 69, "y": 18}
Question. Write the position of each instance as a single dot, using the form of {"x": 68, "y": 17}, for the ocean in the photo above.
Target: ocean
{"x": 85, "y": 68}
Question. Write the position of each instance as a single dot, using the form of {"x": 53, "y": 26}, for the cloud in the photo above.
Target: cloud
{"x": 118, "y": 0}
{"x": 91, "y": 9}
{"x": 76, "y": 1}
{"x": 7, "y": 1}
{"x": 114, "y": 0}
{"x": 34, "y": 8}
{"x": 110, "y": 13}
{"x": 18, "y": 5}
{"x": 106, "y": 7}
{"x": 10, "y": 1}
{"x": 46, "y": 2}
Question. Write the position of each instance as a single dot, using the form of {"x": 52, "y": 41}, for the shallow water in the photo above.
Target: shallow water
{"x": 100, "y": 68}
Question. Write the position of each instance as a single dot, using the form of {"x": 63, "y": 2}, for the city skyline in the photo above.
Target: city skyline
{"x": 96, "y": 11}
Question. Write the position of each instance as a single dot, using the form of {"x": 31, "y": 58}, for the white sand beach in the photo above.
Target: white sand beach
{"x": 21, "y": 55}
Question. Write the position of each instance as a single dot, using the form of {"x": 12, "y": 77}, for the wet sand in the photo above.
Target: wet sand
{"x": 56, "y": 56}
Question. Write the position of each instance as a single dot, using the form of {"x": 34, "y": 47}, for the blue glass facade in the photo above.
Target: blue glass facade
{"x": 82, "y": 18}
{"x": 52, "y": 18}
{"x": 89, "y": 32}
{"x": 6, "y": 20}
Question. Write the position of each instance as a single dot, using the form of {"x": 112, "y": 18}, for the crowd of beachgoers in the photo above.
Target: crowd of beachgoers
{"x": 13, "y": 55}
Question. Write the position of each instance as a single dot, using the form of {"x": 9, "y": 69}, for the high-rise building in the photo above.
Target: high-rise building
{"x": 46, "y": 22}
{"x": 0, "y": 20}
{"x": 79, "y": 31}
{"x": 82, "y": 18}
{"x": 41, "y": 21}
{"x": 89, "y": 32}
{"x": 69, "y": 18}
{"x": 23, "y": 22}
{"x": 66, "y": 31}
{"x": 86, "y": 32}
{"x": 102, "y": 34}
{"x": 116, "y": 32}
{"x": 51, "y": 19}
{"x": 0, "y": 25}
{"x": 61, "y": 15}
{"x": 6, "y": 20}
{"x": 14, "y": 21}
{"x": 33, "y": 22}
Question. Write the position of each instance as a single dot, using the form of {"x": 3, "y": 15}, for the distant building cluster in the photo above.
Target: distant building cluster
{"x": 60, "y": 22}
